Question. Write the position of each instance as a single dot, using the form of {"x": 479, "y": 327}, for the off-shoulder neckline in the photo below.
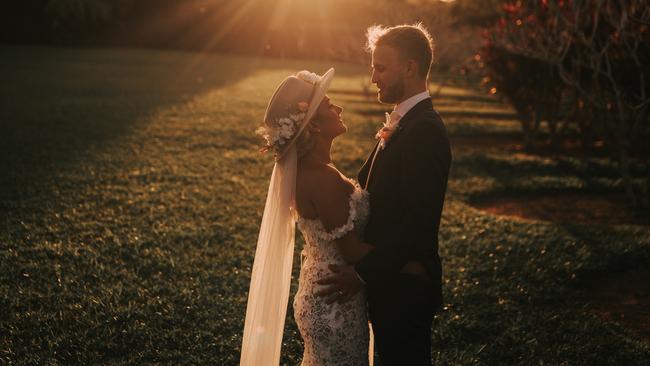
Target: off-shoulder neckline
{"x": 357, "y": 193}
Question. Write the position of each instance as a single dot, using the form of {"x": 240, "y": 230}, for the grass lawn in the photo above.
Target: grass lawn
{"x": 131, "y": 190}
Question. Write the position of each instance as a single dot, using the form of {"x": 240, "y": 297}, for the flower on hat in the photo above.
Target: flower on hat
{"x": 309, "y": 77}
{"x": 278, "y": 134}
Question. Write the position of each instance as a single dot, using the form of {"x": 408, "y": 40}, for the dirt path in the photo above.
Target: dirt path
{"x": 623, "y": 299}
{"x": 606, "y": 209}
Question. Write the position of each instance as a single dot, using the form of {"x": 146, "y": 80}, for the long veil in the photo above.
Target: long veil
{"x": 268, "y": 295}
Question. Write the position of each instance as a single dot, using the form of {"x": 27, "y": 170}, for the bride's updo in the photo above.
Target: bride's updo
{"x": 305, "y": 142}
{"x": 290, "y": 109}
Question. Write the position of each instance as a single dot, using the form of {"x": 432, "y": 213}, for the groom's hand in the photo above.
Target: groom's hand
{"x": 340, "y": 286}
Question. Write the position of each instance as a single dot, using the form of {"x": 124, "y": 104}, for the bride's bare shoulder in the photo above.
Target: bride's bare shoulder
{"x": 317, "y": 184}
{"x": 321, "y": 177}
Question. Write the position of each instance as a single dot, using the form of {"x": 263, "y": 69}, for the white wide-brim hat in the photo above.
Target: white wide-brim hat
{"x": 302, "y": 87}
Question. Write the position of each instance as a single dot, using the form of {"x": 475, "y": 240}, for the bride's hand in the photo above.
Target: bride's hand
{"x": 340, "y": 286}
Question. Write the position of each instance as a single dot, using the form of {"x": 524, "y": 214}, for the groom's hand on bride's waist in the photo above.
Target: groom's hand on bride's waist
{"x": 341, "y": 285}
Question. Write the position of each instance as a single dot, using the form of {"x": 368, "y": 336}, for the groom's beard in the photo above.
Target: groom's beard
{"x": 391, "y": 94}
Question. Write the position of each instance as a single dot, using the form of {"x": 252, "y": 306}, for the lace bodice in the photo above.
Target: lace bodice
{"x": 315, "y": 234}
{"x": 334, "y": 334}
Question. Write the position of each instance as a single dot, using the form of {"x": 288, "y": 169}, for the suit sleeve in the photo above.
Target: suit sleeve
{"x": 425, "y": 161}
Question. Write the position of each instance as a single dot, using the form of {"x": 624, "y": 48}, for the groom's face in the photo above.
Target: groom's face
{"x": 388, "y": 72}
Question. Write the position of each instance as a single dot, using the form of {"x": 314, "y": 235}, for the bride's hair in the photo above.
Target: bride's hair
{"x": 305, "y": 142}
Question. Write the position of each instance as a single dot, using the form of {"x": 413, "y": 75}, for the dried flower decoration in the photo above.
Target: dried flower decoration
{"x": 284, "y": 129}
{"x": 309, "y": 77}
{"x": 390, "y": 126}
{"x": 280, "y": 133}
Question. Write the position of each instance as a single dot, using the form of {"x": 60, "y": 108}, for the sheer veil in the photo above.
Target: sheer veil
{"x": 271, "y": 277}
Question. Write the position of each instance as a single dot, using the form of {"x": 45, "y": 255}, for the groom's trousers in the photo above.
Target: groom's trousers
{"x": 401, "y": 311}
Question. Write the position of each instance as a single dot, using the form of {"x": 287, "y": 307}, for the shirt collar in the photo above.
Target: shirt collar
{"x": 409, "y": 103}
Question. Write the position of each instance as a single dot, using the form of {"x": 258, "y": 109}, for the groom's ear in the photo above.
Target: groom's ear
{"x": 411, "y": 68}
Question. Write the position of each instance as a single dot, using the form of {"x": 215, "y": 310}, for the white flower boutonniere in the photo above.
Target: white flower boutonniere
{"x": 390, "y": 126}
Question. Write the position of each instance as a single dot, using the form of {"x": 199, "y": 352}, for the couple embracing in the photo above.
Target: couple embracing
{"x": 371, "y": 245}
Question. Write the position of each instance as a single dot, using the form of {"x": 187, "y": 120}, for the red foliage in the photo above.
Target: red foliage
{"x": 585, "y": 62}
{"x": 512, "y": 8}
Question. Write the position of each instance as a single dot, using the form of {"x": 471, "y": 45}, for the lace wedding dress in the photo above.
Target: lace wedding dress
{"x": 334, "y": 334}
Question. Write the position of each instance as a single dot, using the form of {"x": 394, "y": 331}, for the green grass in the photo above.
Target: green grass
{"x": 132, "y": 190}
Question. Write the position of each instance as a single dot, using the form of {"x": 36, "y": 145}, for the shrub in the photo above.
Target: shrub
{"x": 583, "y": 62}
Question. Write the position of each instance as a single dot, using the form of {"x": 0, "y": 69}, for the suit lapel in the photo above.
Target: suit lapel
{"x": 365, "y": 174}
{"x": 412, "y": 114}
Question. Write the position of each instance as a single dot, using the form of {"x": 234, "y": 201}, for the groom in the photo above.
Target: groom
{"x": 406, "y": 175}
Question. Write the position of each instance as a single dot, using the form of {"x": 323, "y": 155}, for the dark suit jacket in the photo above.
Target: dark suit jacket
{"x": 407, "y": 189}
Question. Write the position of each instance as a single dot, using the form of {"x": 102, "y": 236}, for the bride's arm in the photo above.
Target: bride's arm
{"x": 331, "y": 198}
{"x": 352, "y": 249}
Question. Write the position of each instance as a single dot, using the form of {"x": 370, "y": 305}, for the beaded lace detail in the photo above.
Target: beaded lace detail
{"x": 333, "y": 334}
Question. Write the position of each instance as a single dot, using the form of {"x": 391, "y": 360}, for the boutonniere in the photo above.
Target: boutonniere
{"x": 390, "y": 126}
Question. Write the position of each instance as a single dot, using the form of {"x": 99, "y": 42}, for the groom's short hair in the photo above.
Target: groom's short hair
{"x": 411, "y": 42}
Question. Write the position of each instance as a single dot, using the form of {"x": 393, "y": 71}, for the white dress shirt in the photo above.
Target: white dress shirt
{"x": 409, "y": 103}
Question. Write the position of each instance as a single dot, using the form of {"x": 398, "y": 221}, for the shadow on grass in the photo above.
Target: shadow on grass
{"x": 609, "y": 250}
{"x": 464, "y": 98}
{"x": 58, "y": 103}
{"x": 371, "y": 97}
{"x": 479, "y": 115}
{"x": 518, "y": 280}
{"x": 524, "y": 174}
{"x": 445, "y": 114}
{"x": 482, "y": 138}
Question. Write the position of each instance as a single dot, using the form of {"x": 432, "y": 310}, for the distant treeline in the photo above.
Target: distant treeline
{"x": 331, "y": 29}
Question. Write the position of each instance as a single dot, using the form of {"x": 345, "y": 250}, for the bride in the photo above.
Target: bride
{"x": 330, "y": 210}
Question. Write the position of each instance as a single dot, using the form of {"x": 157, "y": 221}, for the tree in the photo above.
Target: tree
{"x": 598, "y": 56}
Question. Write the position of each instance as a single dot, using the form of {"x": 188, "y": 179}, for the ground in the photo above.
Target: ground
{"x": 623, "y": 298}
{"x": 588, "y": 209}
{"x": 132, "y": 189}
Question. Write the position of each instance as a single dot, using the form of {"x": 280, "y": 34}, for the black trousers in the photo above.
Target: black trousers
{"x": 401, "y": 311}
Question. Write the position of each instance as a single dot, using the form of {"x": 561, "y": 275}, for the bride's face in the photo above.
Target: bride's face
{"x": 328, "y": 118}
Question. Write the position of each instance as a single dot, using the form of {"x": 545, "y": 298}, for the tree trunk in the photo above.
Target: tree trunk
{"x": 624, "y": 164}
{"x": 585, "y": 133}
{"x": 552, "y": 130}
{"x": 525, "y": 120}
{"x": 645, "y": 195}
